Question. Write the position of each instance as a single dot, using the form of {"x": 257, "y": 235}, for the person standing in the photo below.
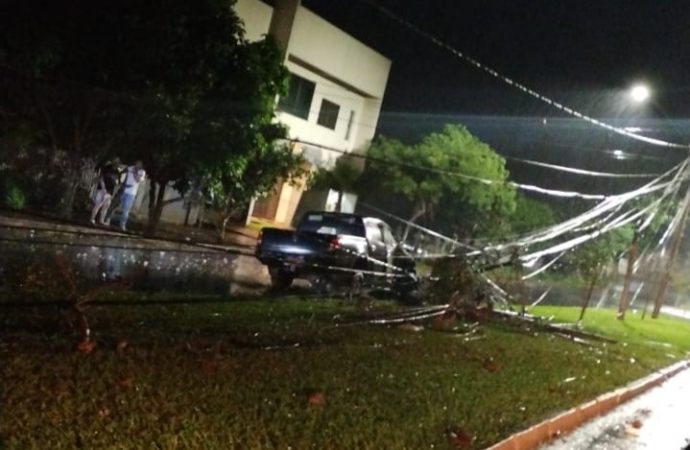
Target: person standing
{"x": 108, "y": 181}
{"x": 133, "y": 176}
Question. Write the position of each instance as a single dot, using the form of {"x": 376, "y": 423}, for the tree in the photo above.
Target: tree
{"x": 257, "y": 176}
{"x": 452, "y": 165}
{"x": 54, "y": 99}
{"x": 646, "y": 231}
{"x": 590, "y": 259}
{"x": 171, "y": 82}
{"x": 343, "y": 178}
{"x": 530, "y": 215}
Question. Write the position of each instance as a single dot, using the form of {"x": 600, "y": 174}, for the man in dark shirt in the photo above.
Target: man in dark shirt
{"x": 108, "y": 181}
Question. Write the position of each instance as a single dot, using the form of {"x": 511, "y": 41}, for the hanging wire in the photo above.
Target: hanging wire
{"x": 509, "y": 81}
{"x": 524, "y": 187}
{"x": 582, "y": 171}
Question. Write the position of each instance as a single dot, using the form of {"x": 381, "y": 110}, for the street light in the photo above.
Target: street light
{"x": 639, "y": 93}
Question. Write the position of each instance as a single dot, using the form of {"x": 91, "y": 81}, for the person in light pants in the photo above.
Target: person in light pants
{"x": 134, "y": 175}
{"x": 104, "y": 195}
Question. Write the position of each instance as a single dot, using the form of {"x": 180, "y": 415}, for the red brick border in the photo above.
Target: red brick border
{"x": 569, "y": 420}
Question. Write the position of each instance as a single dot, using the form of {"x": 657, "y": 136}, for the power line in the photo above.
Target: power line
{"x": 582, "y": 171}
{"x": 525, "y": 187}
{"x": 515, "y": 84}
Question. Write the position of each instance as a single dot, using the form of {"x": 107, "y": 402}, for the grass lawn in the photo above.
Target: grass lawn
{"x": 666, "y": 332}
{"x": 279, "y": 374}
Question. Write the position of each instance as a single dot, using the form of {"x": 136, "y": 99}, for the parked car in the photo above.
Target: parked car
{"x": 337, "y": 249}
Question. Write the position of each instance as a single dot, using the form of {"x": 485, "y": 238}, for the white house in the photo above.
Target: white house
{"x": 336, "y": 90}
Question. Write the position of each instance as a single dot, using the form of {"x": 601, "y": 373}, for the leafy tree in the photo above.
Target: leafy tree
{"x": 647, "y": 230}
{"x": 224, "y": 134}
{"x": 173, "y": 83}
{"x": 343, "y": 178}
{"x": 450, "y": 166}
{"x": 590, "y": 259}
{"x": 54, "y": 92}
{"x": 233, "y": 190}
{"x": 531, "y": 215}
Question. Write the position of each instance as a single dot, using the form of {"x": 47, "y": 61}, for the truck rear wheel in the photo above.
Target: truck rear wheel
{"x": 280, "y": 280}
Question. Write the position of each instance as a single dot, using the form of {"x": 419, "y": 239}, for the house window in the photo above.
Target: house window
{"x": 298, "y": 99}
{"x": 349, "y": 125}
{"x": 328, "y": 114}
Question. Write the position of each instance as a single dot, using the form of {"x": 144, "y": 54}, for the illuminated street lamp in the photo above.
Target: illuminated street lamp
{"x": 639, "y": 93}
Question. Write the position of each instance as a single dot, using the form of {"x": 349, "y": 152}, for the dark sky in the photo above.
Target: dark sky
{"x": 584, "y": 54}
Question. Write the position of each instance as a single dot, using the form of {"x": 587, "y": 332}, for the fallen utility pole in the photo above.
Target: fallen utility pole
{"x": 677, "y": 238}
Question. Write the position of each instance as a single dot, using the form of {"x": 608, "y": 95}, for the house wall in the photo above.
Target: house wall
{"x": 256, "y": 16}
{"x": 172, "y": 213}
{"x": 345, "y": 72}
{"x": 326, "y": 47}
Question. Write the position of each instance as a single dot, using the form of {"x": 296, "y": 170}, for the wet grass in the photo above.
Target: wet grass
{"x": 247, "y": 375}
{"x": 666, "y": 332}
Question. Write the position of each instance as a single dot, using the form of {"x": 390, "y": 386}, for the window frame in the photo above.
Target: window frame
{"x": 328, "y": 119}
{"x": 350, "y": 123}
{"x": 299, "y": 98}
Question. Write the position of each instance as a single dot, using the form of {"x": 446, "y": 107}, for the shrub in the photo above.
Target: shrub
{"x": 12, "y": 194}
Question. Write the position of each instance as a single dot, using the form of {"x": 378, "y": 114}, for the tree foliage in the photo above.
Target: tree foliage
{"x": 589, "y": 258}
{"x": 344, "y": 177}
{"x": 174, "y": 83}
{"x": 233, "y": 188}
{"x": 450, "y": 168}
{"x": 531, "y": 215}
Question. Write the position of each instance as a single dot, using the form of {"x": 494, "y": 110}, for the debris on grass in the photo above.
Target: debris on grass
{"x": 126, "y": 383}
{"x": 86, "y": 346}
{"x": 121, "y": 346}
{"x": 410, "y": 327}
{"x": 491, "y": 366}
{"x": 317, "y": 398}
{"x": 391, "y": 389}
{"x": 459, "y": 438}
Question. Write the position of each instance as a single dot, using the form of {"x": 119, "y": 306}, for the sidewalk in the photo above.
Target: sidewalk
{"x": 656, "y": 420}
{"x": 172, "y": 250}
{"x": 242, "y": 240}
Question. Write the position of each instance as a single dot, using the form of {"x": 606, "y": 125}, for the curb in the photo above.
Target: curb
{"x": 567, "y": 421}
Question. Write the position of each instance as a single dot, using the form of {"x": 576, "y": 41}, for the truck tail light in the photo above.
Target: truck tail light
{"x": 259, "y": 237}
{"x": 335, "y": 244}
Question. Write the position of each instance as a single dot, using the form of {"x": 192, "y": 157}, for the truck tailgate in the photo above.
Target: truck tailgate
{"x": 279, "y": 243}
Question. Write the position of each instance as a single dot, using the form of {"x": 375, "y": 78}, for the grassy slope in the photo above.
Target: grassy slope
{"x": 198, "y": 377}
{"x": 665, "y": 332}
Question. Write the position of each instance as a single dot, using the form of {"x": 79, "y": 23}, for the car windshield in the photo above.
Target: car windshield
{"x": 334, "y": 224}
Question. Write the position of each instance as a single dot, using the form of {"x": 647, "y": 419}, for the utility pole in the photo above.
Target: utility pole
{"x": 632, "y": 257}
{"x": 675, "y": 245}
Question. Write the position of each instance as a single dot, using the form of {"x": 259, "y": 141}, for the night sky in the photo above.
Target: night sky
{"x": 584, "y": 54}
{"x": 566, "y": 48}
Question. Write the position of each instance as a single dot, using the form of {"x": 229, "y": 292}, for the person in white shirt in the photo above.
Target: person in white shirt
{"x": 133, "y": 176}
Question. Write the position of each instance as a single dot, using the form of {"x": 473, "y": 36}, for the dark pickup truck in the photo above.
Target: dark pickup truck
{"x": 337, "y": 249}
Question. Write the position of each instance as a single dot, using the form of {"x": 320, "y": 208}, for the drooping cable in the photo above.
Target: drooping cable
{"x": 515, "y": 84}
{"x": 582, "y": 171}
{"x": 524, "y": 187}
